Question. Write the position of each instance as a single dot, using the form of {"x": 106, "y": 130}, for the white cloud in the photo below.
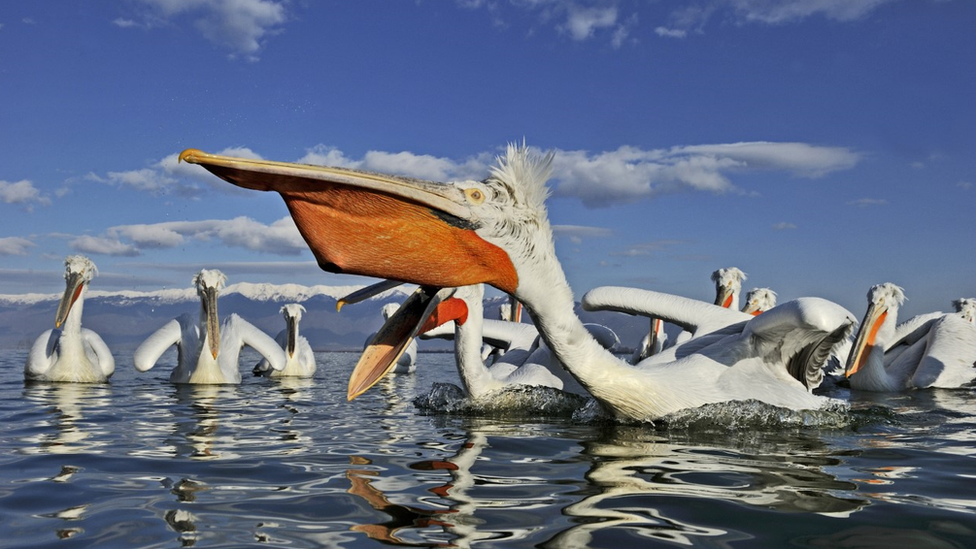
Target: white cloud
{"x": 866, "y": 202}
{"x": 629, "y": 174}
{"x": 98, "y": 245}
{"x": 280, "y": 238}
{"x": 576, "y": 233}
{"x": 237, "y": 25}
{"x": 626, "y": 174}
{"x": 965, "y": 185}
{"x": 22, "y": 192}
{"x": 783, "y": 226}
{"x": 788, "y": 11}
{"x": 14, "y": 245}
{"x": 647, "y": 248}
{"x": 670, "y": 33}
{"x": 170, "y": 176}
{"x": 693, "y": 18}
{"x": 581, "y": 23}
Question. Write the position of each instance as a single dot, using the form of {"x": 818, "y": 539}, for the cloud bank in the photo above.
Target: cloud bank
{"x": 600, "y": 179}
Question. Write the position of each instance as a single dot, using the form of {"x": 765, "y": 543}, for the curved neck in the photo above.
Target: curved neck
{"x": 475, "y": 376}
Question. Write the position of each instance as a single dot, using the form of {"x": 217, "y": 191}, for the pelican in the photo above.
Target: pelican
{"x": 497, "y": 232}
{"x": 932, "y": 350}
{"x": 208, "y": 353}
{"x": 728, "y": 285}
{"x": 299, "y": 358}
{"x": 759, "y": 300}
{"x": 70, "y": 352}
{"x": 694, "y": 317}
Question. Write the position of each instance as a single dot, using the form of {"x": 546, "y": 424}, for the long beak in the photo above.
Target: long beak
{"x": 366, "y": 293}
{"x": 292, "y": 326}
{"x": 213, "y": 327}
{"x": 376, "y": 225}
{"x": 724, "y": 297}
{"x": 751, "y": 308}
{"x": 382, "y": 353}
{"x": 75, "y": 285}
{"x": 866, "y": 336}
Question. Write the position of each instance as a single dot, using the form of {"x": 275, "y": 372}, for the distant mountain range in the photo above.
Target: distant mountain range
{"x": 125, "y": 319}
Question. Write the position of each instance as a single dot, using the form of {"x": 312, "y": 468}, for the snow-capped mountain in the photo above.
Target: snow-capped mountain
{"x": 124, "y": 319}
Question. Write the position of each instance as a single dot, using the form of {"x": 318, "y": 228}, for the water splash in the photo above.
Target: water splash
{"x": 753, "y": 414}
{"x": 514, "y": 401}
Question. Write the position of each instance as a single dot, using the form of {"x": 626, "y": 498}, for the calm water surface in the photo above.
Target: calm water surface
{"x": 142, "y": 463}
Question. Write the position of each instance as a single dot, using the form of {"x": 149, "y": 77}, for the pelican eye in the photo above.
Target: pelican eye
{"x": 475, "y": 196}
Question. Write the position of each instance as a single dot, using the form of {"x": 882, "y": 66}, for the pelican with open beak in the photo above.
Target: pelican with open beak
{"x": 497, "y": 232}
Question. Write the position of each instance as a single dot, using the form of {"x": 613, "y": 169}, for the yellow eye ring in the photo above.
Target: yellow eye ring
{"x": 475, "y": 196}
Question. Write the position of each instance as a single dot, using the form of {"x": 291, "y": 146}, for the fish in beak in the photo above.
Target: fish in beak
{"x": 376, "y": 225}
{"x": 75, "y": 285}
{"x": 866, "y": 336}
{"x": 382, "y": 353}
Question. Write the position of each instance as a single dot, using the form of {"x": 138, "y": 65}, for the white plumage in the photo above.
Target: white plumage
{"x": 208, "y": 353}
{"x": 69, "y": 352}
{"x": 299, "y": 358}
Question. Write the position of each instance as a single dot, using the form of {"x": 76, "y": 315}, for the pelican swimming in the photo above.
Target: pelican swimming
{"x": 70, "y": 352}
{"x": 759, "y": 300}
{"x": 299, "y": 358}
{"x": 207, "y": 352}
{"x": 728, "y": 286}
{"x": 932, "y": 350}
{"x": 497, "y": 231}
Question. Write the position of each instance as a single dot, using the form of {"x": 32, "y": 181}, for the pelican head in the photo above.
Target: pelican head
{"x": 883, "y": 303}
{"x": 208, "y": 283}
{"x": 78, "y": 272}
{"x": 759, "y": 300}
{"x": 728, "y": 284}
{"x": 293, "y": 315}
{"x": 966, "y": 306}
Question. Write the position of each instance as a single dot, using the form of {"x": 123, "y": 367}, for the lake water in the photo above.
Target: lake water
{"x": 140, "y": 462}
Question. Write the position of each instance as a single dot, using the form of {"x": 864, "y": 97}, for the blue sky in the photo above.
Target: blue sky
{"x": 821, "y": 146}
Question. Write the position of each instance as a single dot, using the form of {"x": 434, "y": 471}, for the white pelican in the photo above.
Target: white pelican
{"x": 694, "y": 317}
{"x": 70, "y": 352}
{"x": 728, "y": 286}
{"x": 299, "y": 358}
{"x": 208, "y": 353}
{"x": 932, "y": 350}
{"x": 653, "y": 343}
{"x": 497, "y": 231}
{"x": 759, "y": 300}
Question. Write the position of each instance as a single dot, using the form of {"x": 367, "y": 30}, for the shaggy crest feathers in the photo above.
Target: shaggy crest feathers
{"x": 724, "y": 276}
{"x": 210, "y": 278}
{"x": 524, "y": 175}
{"x": 79, "y": 264}
{"x": 881, "y": 293}
{"x": 293, "y": 310}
